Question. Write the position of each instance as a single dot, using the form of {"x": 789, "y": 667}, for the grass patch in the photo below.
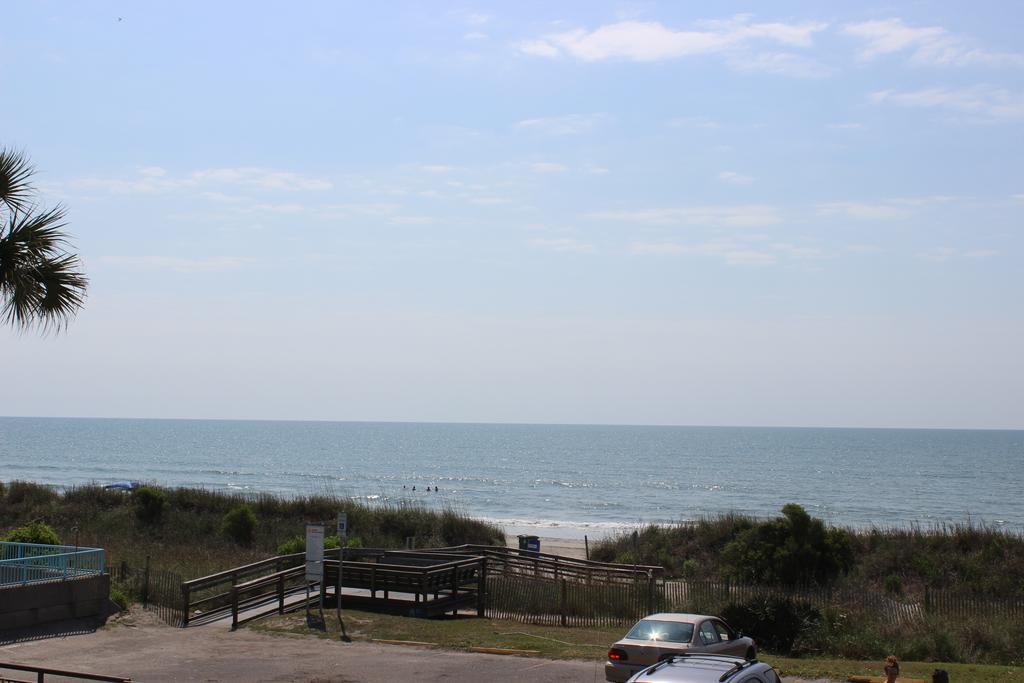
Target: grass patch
{"x": 589, "y": 644}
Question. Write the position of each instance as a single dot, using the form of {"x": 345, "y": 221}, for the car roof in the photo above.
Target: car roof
{"x": 676, "y": 669}
{"x": 678, "y": 616}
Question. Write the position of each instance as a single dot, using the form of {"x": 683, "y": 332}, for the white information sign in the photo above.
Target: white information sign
{"x": 314, "y": 553}
{"x": 342, "y": 526}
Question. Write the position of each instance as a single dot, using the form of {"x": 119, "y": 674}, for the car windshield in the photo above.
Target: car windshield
{"x": 667, "y": 631}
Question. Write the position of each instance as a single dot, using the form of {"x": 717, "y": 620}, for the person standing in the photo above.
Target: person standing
{"x": 892, "y": 669}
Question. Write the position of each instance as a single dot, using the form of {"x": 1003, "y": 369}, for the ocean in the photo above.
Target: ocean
{"x": 551, "y": 480}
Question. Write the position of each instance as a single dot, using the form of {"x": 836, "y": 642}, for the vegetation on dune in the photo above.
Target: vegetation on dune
{"x": 798, "y": 549}
{"x": 801, "y": 588}
{"x": 196, "y": 531}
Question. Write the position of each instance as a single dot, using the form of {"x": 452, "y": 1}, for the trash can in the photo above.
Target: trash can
{"x": 530, "y": 544}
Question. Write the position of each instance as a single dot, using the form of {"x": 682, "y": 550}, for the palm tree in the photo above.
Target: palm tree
{"x": 41, "y": 283}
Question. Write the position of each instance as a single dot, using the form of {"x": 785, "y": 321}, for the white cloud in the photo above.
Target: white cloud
{"x": 569, "y": 124}
{"x": 538, "y": 48}
{"x": 945, "y": 254}
{"x": 548, "y": 167}
{"x": 153, "y": 179}
{"x": 731, "y": 252}
{"x": 489, "y": 201}
{"x": 983, "y": 102}
{"x": 436, "y": 168}
{"x": 474, "y": 35}
{"x": 411, "y": 220}
{"x": 745, "y": 216}
{"x": 927, "y": 45}
{"x": 598, "y": 170}
{"x": 845, "y": 126}
{"x": 650, "y": 41}
{"x": 735, "y": 178}
{"x": 781, "y": 64}
{"x": 1018, "y": 197}
{"x": 564, "y": 244}
{"x": 180, "y": 265}
{"x": 888, "y": 209}
{"x": 694, "y": 122}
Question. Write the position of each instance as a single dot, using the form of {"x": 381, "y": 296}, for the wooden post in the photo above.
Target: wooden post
{"x": 234, "y": 607}
{"x": 185, "y": 600}
{"x": 455, "y": 589}
{"x": 650, "y": 592}
{"x": 280, "y": 594}
{"x": 563, "y": 607}
{"x": 145, "y": 583}
{"x": 586, "y": 545}
{"x": 481, "y": 589}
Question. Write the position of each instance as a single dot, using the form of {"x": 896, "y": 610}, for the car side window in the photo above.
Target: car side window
{"x": 708, "y": 635}
{"x": 723, "y": 631}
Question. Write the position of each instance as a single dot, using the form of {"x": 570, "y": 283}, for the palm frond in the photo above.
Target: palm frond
{"x": 40, "y": 282}
{"x": 15, "y": 173}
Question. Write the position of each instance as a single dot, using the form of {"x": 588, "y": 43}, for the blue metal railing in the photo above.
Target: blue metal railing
{"x": 22, "y": 563}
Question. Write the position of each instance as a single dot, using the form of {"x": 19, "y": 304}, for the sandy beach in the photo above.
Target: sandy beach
{"x": 569, "y": 547}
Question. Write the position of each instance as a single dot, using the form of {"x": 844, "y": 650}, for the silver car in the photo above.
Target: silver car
{"x": 707, "y": 668}
{"x": 659, "y": 636}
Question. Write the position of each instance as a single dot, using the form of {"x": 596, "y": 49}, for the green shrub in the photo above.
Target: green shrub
{"x": 120, "y": 599}
{"x": 893, "y": 584}
{"x": 297, "y": 544}
{"x": 795, "y": 548}
{"x": 33, "y": 532}
{"x": 775, "y": 623}
{"x": 239, "y": 524}
{"x": 150, "y": 504}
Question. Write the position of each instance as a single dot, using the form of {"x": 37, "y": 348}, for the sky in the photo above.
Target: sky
{"x": 771, "y": 213}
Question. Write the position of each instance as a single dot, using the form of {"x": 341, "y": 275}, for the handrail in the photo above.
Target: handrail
{"x": 42, "y": 671}
{"x": 532, "y": 555}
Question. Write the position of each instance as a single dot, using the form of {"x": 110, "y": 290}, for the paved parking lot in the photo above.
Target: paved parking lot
{"x": 140, "y": 646}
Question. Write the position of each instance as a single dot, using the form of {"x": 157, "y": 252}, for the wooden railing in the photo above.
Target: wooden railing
{"x": 511, "y": 561}
{"x": 42, "y": 672}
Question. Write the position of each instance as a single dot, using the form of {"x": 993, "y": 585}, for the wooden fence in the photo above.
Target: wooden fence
{"x": 568, "y": 602}
{"x": 710, "y": 597}
{"x": 153, "y": 588}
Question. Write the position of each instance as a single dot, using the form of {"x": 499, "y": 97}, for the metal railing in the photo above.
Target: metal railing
{"x": 22, "y": 563}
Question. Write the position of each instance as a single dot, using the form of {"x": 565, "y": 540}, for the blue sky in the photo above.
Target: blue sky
{"x": 761, "y": 213}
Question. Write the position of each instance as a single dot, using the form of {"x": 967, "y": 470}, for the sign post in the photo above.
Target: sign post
{"x": 342, "y": 542}
{"x": 314, "y": 565}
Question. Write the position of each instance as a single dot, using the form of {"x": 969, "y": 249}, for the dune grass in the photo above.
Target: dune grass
{"x": 185, "y": 533}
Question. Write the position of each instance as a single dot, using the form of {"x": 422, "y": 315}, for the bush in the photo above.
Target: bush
{"x": 240, "y": 524}
{"x": 775, "y": 623}
{"x": 795, "y": 548}
{"x": 120, "y": 599}
{"x": 149, "y": 505}
{"x": 297, "y": 544}
{"x": 33, "y": 532}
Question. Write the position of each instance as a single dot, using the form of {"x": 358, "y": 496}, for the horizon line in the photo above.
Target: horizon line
{"x": 509, "y": 423}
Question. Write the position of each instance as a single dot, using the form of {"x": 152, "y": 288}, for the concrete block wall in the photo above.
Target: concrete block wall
{"x": 47, "y": 603}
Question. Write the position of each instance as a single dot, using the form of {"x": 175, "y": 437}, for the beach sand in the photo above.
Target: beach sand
{"x": 567, "y": 547}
